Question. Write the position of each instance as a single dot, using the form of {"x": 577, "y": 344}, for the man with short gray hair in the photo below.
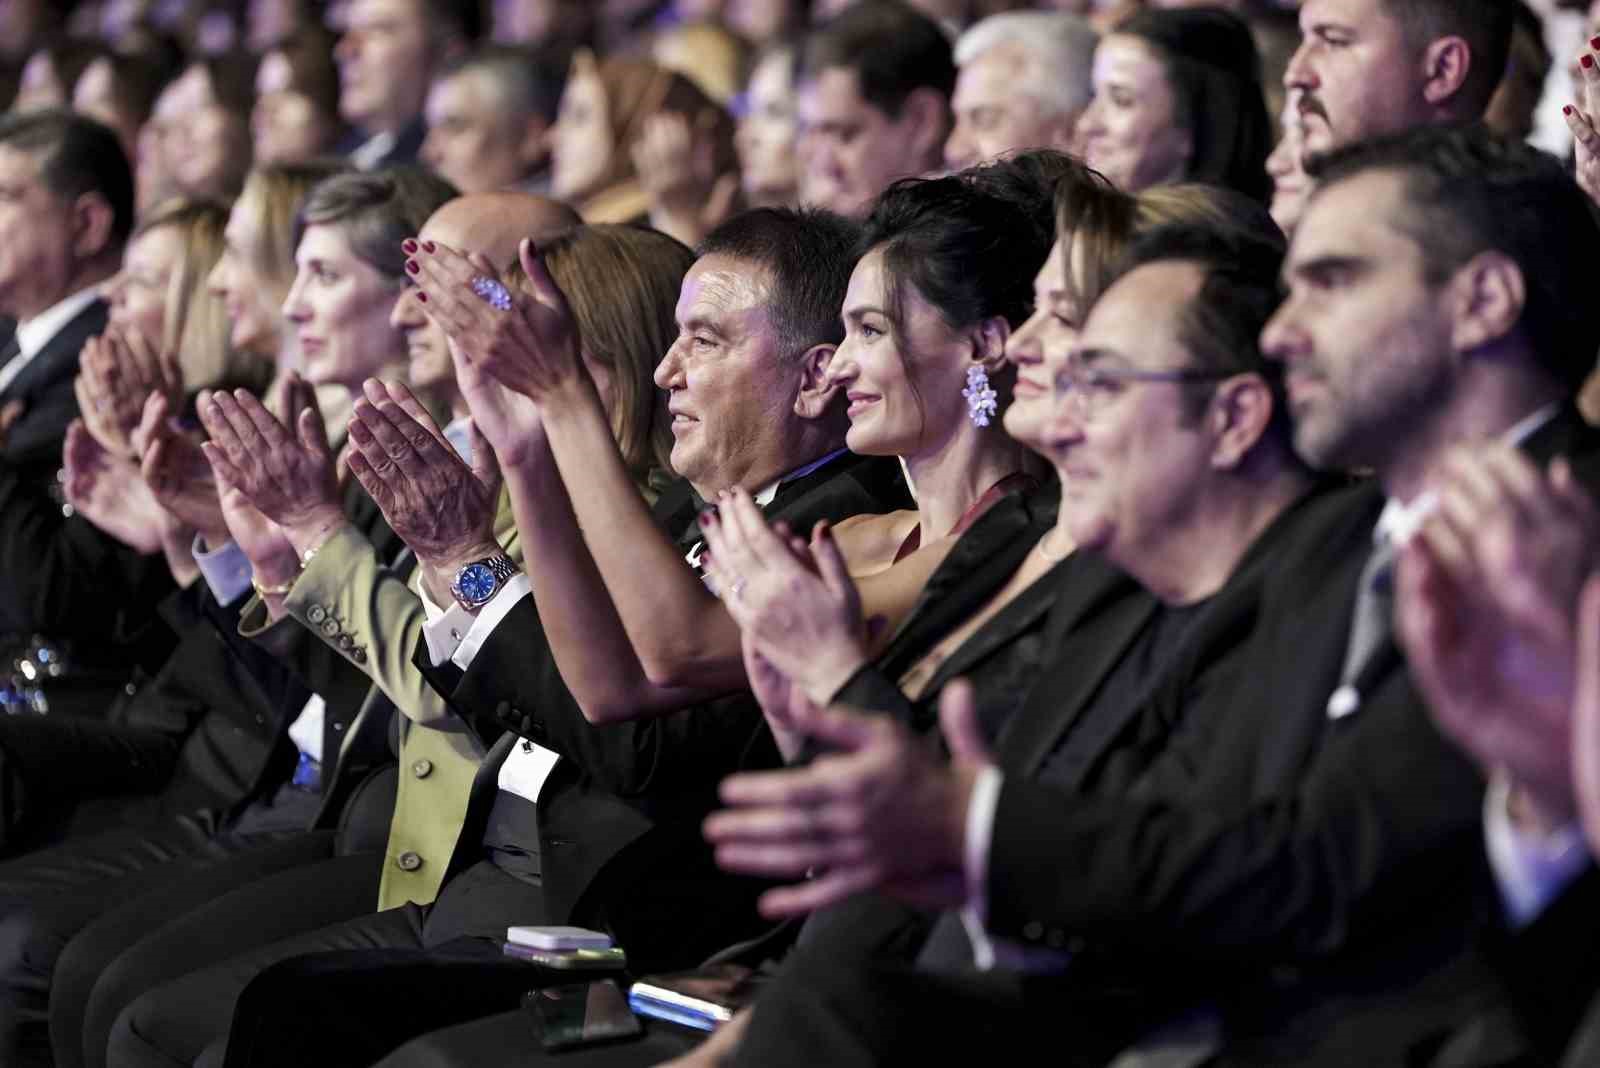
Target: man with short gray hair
{"x": 1023, "y": 81}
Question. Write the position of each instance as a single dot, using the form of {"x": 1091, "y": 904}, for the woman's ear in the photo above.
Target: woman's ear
{"x": 989, "y": 340}
{"x": 817, "y": 389}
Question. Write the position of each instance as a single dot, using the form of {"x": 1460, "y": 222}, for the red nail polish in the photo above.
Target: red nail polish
{"x": 1594, "y": 42}
{"x": 409, "y": 246}
{"x": 1566, "y": 109}
{"x": 1587, "y": 61}
{"x": 411, "y": 265}
{"x": 422, "y": 298}
{"x": 429, "y": 246}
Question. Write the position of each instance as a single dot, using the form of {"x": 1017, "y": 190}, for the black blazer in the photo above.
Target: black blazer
{"x": 44, "y": 386}
{"x": 1325, "y": 877}
{"x": 619, "y": 818}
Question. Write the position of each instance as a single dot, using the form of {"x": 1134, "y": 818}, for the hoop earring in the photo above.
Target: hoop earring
{"x": 981, "y": 398}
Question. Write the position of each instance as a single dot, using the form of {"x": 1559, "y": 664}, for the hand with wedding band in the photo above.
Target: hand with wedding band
{"x": 525, "y": 339}
{"x": 440, "y": 506}
{"x": 797, "y": 601}
{"x": 290, "y": 478}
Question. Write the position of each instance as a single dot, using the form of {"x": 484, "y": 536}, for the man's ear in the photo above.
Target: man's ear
{"x": 92, "y": 221}
{"x": 817, "y": 389}
{"x": 1488, "y": 296}
{"x": 926, "y": 115}
{"x": 1237, "y": 417}
{"x": 989, "y": 343}
{"x": 1445, "y": 66}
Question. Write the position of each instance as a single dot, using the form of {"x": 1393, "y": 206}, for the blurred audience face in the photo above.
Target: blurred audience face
{"x": 1038, "y": 350}
{"x": 285, "y": 125}
{"x": 1129, "y": 132}
{"x": 768, "y": 171}
{"x": 849, "y": 149}
{"x": 1354, "y": 75}
{"x": 384, "y": 63}
{"x": 46, "y": 238}
{"x": 270, "y": 21}
{"x": 339, "y": 307}
{"x": 995, "y": 113}
{"x": 210, "y": 151}
{"x": 182, "y": 97}
{"x": 902, "y": 380}
{"x": 96, "y": 96}
{"x": 249, "y": 297}
{"x": 1290, "y": 183}
{"x": 580, "y": 142}
{"x": 730, "y": 387}
{"x": 1364, "y": 337}
{"x": 138, "y": 294}
{"x": 761, "y": 21}
{"x": 1133, "y": 460}
{"x": 476, "y": 140}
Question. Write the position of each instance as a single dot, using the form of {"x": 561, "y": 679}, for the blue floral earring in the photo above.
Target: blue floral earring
{"x": 981, "y": 398}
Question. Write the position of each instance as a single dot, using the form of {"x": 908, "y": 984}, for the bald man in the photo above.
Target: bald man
{"x": 490, "y": 223}
{"x": 330, "y": 904}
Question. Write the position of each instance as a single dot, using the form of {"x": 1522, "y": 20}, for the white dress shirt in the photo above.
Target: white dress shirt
{"x": 34, "y": 334}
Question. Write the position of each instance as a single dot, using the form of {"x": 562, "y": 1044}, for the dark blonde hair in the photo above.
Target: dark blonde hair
{"x": 275, "y": 192}
{"x": 622, "y": 284}
{"x": 636, "y": 89}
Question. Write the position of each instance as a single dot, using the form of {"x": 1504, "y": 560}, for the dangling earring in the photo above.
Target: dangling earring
{"x": 981, "y": 405}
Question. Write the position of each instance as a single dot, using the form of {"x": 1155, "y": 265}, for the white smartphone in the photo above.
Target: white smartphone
{"x": 558, "y": 937}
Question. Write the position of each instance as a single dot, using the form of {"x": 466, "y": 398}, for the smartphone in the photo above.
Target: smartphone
{"x": 581, "y": 1014}
{"x": 602, "y": 960}
{"x": 558, "y": 937}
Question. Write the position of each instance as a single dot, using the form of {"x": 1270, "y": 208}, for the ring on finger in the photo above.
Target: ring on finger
{"x": 492, "y": 292}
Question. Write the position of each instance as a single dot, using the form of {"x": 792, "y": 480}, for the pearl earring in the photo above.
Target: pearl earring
{"x": 981, "y": 398}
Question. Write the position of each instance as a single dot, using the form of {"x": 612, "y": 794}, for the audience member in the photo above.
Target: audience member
{"x": 873, "y": 93}
{"x": 387, "y": 56}
{"x": 296, "y": 113}
{"x": 1177, "y": 97}
{"x": 714, "y": 58}
{"x": 1286, "y": 168}
{"x": 49, "y": 75}
{"x": 1368, "y": 67}
{"x": 207, "y": 147}
{"x": 765, "y": 140}
{"x": 1512, "y": 108}
{"x": 489, "y": 120}
{"x": 1023, "y": 80}
{"x": 118, "y": 91}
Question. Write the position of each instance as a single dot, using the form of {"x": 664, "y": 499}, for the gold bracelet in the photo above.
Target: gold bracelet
{"x": 280, "y": 590}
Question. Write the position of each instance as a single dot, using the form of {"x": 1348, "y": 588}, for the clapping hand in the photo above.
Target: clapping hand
{"x": 117, "y": 373}
{"x": 1487, "y": 611}
{"x": 176, "y": 471}
{"x": 289, "y": 478}
{"x": 440, "y": 506}
{"x": 108, "y": 491}
{"x": 1581, "y": 117}
{"x": 801, "y": 609}
{"x": 531, "y": 345}
{"x": 881, "y": 811}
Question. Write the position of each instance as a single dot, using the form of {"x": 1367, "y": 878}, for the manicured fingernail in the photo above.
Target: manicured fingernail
{"x": 409, "y": 246}
{"x": 422, "y": 298}
{"x": 1587, "y": 61}
{"x": 411, "y": 265}
{"x": 1594, "y": 42}
{"x": 708, "y": 516}
{"x": 1566, "y": 109}
{"x": 429, "y": 246}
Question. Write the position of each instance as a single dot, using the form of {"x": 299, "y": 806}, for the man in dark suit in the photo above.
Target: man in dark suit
{"x": 572, "y": 823}
{"x": 390, "y": 51}
{"x": 1324, "y": 883}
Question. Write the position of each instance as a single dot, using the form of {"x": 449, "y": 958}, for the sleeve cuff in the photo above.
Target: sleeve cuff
{"x": 489, "y": 617}
{"x": 226, "y": 569}
{"x": 1530, "y": 871}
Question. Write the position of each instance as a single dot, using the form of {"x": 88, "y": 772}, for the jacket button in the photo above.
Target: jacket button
{"x": 330, "y": 627}
{"x": 346, "y": 642}
{"x": 408, "y": 861}
{"x": 1055, "y": 939}
{"x": 422, "y": 769}
{"x": 316, "y": 613}
{"x": 360, "y": 656}
{"x": 130, "y": 689}
{"x": 1033, "y": 930}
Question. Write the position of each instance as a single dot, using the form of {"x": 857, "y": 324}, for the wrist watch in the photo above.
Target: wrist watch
{"x": 476, "y": 584}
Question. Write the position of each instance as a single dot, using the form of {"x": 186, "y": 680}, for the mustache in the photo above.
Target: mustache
{"x": 1309, "y": 104}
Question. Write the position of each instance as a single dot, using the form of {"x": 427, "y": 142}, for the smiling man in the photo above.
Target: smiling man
{"x": 1367, "y": 67}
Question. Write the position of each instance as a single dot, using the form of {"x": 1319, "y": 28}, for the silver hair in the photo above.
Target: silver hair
{"x": 1060, "y": 45}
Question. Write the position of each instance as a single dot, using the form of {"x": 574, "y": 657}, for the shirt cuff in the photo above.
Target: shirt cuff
{"x": 489, "y": 617}
{"x": 226, "y": 570}
{"x": 981, "y": 807}
{"x": 1530, "y": 870}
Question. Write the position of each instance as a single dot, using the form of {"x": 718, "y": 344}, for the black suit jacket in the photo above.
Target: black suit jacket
{"x": 1326, "y": 877}
{"x": 44, "y": 387}
{"x": 619, "y": 818}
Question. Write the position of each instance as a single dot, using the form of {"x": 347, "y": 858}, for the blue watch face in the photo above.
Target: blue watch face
{"x": 476, "y": 583}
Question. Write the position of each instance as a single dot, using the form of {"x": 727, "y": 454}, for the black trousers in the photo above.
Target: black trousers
{"x": 187, "y": 1021}
{"x": 226, "y": 909}
{"x": 509, "y": 1039}
{"x": 47, "y": 897}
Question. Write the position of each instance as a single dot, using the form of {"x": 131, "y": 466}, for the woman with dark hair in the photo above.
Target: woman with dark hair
{"x": 296, "y": 112}
{"x": 1178, "y": 98}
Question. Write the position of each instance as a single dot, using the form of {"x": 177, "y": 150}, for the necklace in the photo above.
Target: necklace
{"x": 1044, "y": 548}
